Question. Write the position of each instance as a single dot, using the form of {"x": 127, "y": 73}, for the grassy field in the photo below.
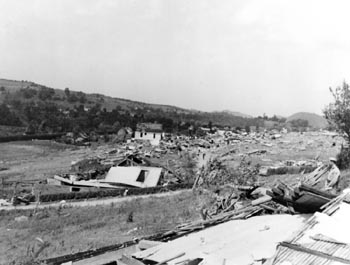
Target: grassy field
{"x": 70, "y": 230}
{"x": 31, "y": 161}
{"x": 28, "y": 160}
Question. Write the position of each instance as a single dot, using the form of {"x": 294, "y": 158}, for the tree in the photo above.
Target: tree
{"x": 28, "y": 92}
{"x": 299, "y": 124}
{"x": 46, "y": 93}
{"x": 67, "y": 92}
{"x": 210, "y": 126}
{"x": 72, "y": 98}
{"x": 82, "y": 97}
{"x": 338, "y": 112}
{"x": 7, "y": 117}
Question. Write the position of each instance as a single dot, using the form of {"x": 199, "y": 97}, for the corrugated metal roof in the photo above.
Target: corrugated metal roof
{"x": 236, "y": 241}
{"x": 324, "y": 239}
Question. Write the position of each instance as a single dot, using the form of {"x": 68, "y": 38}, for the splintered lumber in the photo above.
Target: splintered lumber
{"x": 268, "y": 208}
{"x": 297, "y": 191}
{"x": 228, "y": 152}
{"x": 314, "y": 177}
{"x": 283, "y": 185}
{"x": 250, "y": 214}
{"x": 262, "y": 151}
{"x": 261, "y": 200}
{"x": 195, "y": 182}
{"x": 305, "y": 187}
{"x": 244, "y": 188}
{"x": 332, "y": 205}
{"x": 193, "y": 262}
{"x": 319, "y": 197}
{"x": 303, "y": 202}
{"x": 126, "y": 260}
{"x": 284, "y": 200}
{"x": 172, "y": 258}
{"x": 323, "y": 238}
{"x": 314, "y": 252}
{"x": 232, "y": 204}
{"x": 145, "y": 244}
{"x": 278, "y": 191}
{"x": 232, "y": 215}
{"x": 64, "y": 180}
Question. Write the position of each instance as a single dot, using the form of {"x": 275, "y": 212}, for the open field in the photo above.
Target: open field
{"x": 33, "y": 160}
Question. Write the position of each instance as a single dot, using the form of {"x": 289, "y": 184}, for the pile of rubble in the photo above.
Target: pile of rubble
{"x": 238, "y": 215}
{"x": 311, "y": 192}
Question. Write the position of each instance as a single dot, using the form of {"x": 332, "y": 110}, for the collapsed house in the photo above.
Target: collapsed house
{"x": 141, "y": 177}
{"x": 310, "y": 194}
{"x": 117, "y": 177}
{"x": 113, "y": 172}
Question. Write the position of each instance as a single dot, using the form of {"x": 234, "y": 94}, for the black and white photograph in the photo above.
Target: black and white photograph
{"x": 174, "y": 132}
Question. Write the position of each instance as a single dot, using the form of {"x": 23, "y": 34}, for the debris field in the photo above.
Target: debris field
{"x": 267, "y": 185}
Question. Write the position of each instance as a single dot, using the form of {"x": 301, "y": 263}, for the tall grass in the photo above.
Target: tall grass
{"x": 77, "y": 229}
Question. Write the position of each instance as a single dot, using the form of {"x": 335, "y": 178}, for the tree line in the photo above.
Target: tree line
{"x": 41, "y": 109}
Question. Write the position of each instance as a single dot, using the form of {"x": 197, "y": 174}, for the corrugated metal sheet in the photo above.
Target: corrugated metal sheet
{"x": 237, "y": 241}
{"x": 323, "y": 249}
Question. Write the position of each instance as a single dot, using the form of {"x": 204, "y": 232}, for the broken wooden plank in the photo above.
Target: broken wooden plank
{"x": 145, "y": 244}
{"x": 269, "y": 208}
{"x": 261, "y": 200}
{"x": 313, "y": 252}
{"x": 126, "y": 260}
{"x": 172, "y": 258}
{"x": 305, "y": 187}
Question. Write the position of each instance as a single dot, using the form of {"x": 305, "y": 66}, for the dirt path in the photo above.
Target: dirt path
{"x": 90, "y": 202}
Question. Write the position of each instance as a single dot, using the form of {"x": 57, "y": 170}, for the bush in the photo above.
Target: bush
{"x": 343, "y": 158}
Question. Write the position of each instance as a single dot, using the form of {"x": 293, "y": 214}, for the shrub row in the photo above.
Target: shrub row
{"x": 289, "y": 170}
{"x": 109, "y": 193}
{"x": 4, "y": 139}
{"x": 87, "y": 254}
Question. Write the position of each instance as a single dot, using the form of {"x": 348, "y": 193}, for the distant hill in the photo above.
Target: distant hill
{"x": 13, "y": 86}
{"x": 26, "y": 102}
{"x": 314, "y": 120}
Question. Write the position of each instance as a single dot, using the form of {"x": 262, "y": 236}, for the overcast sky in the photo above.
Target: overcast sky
{"x": 252, "y": 56}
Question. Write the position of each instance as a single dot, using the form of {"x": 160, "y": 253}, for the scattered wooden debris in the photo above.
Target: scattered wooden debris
{"x": 303, "y": 198}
